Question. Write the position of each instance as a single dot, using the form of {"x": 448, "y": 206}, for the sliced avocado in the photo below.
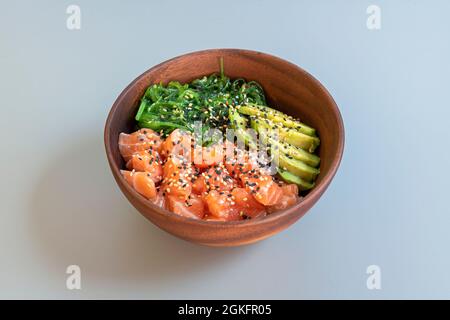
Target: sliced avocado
{"x": 239, "y": 124}
{"x": 288, "y": 149}
{"x": 288, "y": 135}
{"x": 291, "y": 178}
{"x": 303, "y": 173}
{"x": 299, "y": 139}
{"x": 297, "y": 167}
{"x": 299, "y": 154}
{"x": 277, "y": 117}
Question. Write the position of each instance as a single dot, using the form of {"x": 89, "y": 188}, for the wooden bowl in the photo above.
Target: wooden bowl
{"x": 287, "y": 87}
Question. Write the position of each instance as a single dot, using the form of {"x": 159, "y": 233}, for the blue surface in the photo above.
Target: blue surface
{"x": 387, "y": 206}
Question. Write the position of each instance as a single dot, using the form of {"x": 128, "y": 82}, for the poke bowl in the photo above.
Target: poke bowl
{"x": 289, "y": 95}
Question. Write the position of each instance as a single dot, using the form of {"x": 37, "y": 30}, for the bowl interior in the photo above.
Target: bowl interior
{"x": 287, "y": 88}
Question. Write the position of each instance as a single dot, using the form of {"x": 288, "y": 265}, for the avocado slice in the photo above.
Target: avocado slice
{"x": 291, "y": 178}
{"x": 285, "y": 161}
{"x": 297, "y": 167}
{"x": 288, "y": 135}
{"x": 299, "y": 139}
{"x": 297, "y": 153}
{"x": 277, "y": 117}
{"x": 239, "y": 124}
{"x": 288, "y": 149}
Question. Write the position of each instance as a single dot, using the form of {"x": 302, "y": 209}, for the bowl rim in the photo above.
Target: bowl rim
{"x": 307, "y": 201}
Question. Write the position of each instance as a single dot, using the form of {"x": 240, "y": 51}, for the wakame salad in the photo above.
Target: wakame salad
{"x": 218, "y": 178}
{"x": 207, "y": 100}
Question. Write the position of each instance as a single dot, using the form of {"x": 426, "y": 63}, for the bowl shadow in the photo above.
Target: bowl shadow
{"x": 79, "y": 216}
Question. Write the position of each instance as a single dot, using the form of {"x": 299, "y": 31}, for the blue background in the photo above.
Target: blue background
{"x": 387, "y": 206}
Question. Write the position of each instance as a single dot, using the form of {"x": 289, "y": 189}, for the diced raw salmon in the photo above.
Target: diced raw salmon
{"x": 140, "y": 140}
{"x": 178, "y": 143}
{"x": 215, "y": 178}
{"x": 262, "y": 187}
{"x": 288, "y": 199}
{"x": 239, "y": 162}
{"x": 204, "y": 157}
{"x": 221, "y": 206}
{"x": 177, "y": 177}
{"x": 247, "y": 204}
{"x": 160, "y": 200}
{"x": 193, "y": 207}
{"x": 141, "y": 182}
{"x": 220, "y": 183}
{"x": 148, "y": 161}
